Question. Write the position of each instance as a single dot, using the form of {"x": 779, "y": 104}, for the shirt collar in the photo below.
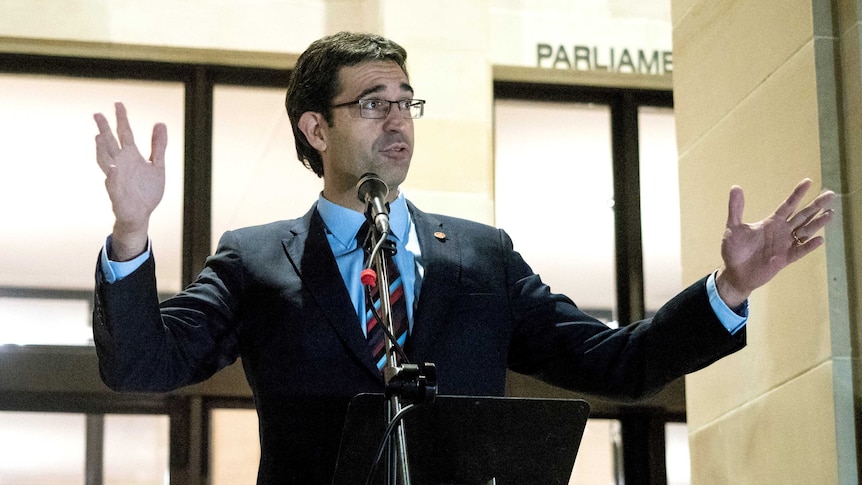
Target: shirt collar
{"x": 343, "y": 223}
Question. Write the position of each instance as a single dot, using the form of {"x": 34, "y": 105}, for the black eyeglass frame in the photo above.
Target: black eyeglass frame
{"x": 407, "y": 111}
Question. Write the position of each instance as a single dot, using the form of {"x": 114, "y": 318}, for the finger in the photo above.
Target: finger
{"x": 821, "y": 203}
{"x": 735, "y": 206}
{"x": 159, "y": 144}
{"x": 105, "y": 136}
{"x": 825, "y": 199}
{"x": 124, "y": 131}
{"x": 106, "y": 144}
{"x": 789, "y": 205}
{"x": 802, "y": 250}
{"x": 103, "y": 156}
{"x": 104, "y": 151}
{"x": 814, "y": 225}
{"x": 102, "y": 124}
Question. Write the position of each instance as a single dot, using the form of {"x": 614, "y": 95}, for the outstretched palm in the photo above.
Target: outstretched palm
{"x": 134, "y": 184}
{"x": 754, "y": 253}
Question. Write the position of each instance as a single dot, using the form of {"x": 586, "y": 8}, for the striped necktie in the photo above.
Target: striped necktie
{"x": 373, "y": 327}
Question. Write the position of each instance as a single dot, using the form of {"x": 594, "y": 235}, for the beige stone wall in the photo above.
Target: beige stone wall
{"x": 756, "y": 105}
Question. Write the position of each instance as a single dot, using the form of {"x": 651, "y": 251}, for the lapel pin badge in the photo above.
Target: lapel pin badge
{"x": 440, "y": 235}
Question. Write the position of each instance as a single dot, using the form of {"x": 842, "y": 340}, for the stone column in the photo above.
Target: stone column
{"x": 767, "y": 93}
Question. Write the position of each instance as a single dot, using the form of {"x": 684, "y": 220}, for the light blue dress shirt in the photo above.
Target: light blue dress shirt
{"x": 342, "y": 224}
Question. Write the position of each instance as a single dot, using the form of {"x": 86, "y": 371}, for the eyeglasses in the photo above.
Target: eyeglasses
{"x": 375, "y": 109}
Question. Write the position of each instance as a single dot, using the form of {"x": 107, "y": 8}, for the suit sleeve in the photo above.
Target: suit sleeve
{"x": 558, "y": 343}
{"x": 147, "y": 346}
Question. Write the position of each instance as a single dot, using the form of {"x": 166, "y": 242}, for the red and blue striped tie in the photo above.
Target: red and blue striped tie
{"x": 374, "y": 329}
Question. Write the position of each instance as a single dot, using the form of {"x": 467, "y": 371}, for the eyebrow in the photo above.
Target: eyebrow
{"x": 380, "y": 87}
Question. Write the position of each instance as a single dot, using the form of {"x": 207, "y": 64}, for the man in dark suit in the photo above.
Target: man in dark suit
{"x": 286, "y": 297}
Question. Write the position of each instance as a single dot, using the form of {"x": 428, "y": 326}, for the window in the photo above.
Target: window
{"x": 554, "y": 195}
{"x": 676, "y": 450}
{"x": 256, "y": 175}
{"x": 234, "y": 446}
{"x": 53, "y": 448}
{"x": 586, "y": 185}
{"x": 57, "y": 211}
{"x": 659, "y": 206}
{"x": 135, "y": 449}
{"x": 598, "y": 454}
{"x": 42, "y": 448}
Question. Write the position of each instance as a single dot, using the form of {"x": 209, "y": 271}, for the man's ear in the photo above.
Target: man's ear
{"x": 312, "y": 125}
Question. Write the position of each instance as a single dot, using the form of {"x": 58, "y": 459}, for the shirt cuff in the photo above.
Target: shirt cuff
{"x": 116, "y": 270}
{"x": 733, "y": 320}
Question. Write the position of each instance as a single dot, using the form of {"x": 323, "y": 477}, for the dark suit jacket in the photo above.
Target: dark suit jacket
{"x": 273, "y": 295}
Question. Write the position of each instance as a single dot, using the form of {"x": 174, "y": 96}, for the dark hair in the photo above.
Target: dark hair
{"x": 314, "y": 82}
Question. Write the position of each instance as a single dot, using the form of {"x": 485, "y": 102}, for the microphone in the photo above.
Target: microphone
{"x": 372, "y": 190}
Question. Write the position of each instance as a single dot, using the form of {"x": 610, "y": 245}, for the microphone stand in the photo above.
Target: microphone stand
{"x": 404, "y": 382}
{"x": 398, "y": 469}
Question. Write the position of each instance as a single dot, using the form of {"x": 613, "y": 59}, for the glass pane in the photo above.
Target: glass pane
{"x": 677, "y": 454}
{"x": 62, "y": 213}
{"x": 659, "y": 206}
{"x": 31, "y": 321}
{"x": 596, "y": 463}
{"x": 136, "y": 450}
{"x": 235, "y": 447}
{"x": 256, "y": 175}
{"x": 554, "y": 194}
{"x": 40, "y": 448}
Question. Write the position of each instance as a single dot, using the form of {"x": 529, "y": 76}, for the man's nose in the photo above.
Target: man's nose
{"x": 396, "y": 118}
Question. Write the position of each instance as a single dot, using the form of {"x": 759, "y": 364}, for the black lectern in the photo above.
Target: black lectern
{"x": 457, "y": 440}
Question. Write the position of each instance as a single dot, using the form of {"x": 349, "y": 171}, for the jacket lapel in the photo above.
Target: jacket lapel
{"x": 311, "y": 257}
{"x": 441, "y": 256}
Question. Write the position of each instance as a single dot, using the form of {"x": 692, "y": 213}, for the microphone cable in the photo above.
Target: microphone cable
{"x": 384, "y": 441}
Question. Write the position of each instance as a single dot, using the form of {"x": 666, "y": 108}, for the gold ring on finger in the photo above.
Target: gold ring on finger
{"x": 799, "y": 242}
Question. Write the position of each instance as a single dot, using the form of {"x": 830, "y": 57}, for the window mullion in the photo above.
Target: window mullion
{"x": 197, "y": 193}
{"x": 627, "y": 213}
